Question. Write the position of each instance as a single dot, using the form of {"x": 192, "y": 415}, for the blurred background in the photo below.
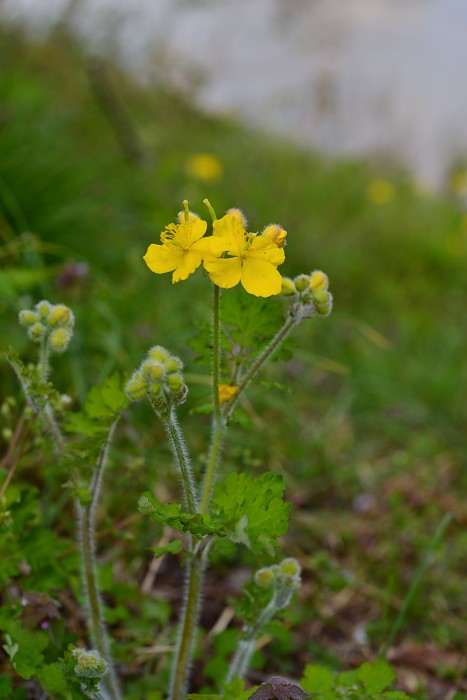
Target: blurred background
{"x": 345, "y": 123}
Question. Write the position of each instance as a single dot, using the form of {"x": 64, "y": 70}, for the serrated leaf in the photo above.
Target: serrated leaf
{"x": 376, "y": 676}
{"x": 106, "y": 400}
{"x": 252, "y": 509}
{"x": 173, "y": 547}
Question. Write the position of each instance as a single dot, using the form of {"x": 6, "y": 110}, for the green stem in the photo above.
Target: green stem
{"x": 184, "y": 651}
{"x": 180, "y": 451}
{"x": 215, "y": 450}
{"x": 216, "y": 352}
{"x": 280, "y": 336}
{"x": 240, "y": 662}
{"x": 43, "y": 365}
{"x": 87, "y": 536}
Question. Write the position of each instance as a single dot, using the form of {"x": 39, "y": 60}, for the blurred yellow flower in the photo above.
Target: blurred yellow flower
{"x": 253, "y": 262}
{"x": 226, "y": 392}
{"x": 205, "y": 166}
{"x": 182, "y": 250}
{"x": 459, "y": 183}
{"x": 381, "y": 191}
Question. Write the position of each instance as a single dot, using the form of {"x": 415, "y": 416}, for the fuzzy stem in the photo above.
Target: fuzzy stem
{"x": 43, "y": 364}
{"x": 246, "y": 647}
{"x": 184, "y": 651}
{"x": 216, "y": 352}
{"x": 215, "y": 450}
{"x": 180, "y": 452}
{"x": 280, "y": 336}
{"x": 87, "y": 537}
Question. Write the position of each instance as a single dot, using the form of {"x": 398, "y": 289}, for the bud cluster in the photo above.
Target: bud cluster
{"x": 49, "y": 322}
{"x": 89, "y": 664}
{"x": 311, "y": 293}
{"x": 286, "y": 575}
{"x": 160, "y": 379}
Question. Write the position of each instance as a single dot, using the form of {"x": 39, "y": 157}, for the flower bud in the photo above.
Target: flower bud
{"x": 89, "y": 664}
{"x": 239, "y": 215}
{"x": 136, "y": 387}
{"x": 174, "y": 382}
{"x": 323, "y": 303}
{"x": 37, "y": 332}
{"x": 265, "y": 577}
{"x": 155, "y": 389}
{"x": 290, "y": 567}
{"x": 61, "y": 315}
{"x": 60, "y": 339}
{"x": 302, "y": 282}
{"x": 27, "y": 317}
{"x": 276, "y": 234}
{"x": 288, "y": 287}
{"x": 191, "y": 217}
{"x": 319, "y": 281}
{"x": 322, "y": 297}
{"x": 159, "y": 354}
{"x": 173, "y": 364}
{"x": 43, "y": 308}
{"x": 153, "y": 370}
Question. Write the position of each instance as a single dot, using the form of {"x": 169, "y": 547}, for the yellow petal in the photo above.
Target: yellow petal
{"x": 210, "y": 247}
{"x": 265, "y": 249}
{"x": 188, "y": 264}
{"x": 190, "y": 231}
{"x": 161, "y": 258}
{"x": 230, "y": 228}
{"x": 225, "y": 272}
{"x": 260, "y": 278}
{"x": 226, "y": 392}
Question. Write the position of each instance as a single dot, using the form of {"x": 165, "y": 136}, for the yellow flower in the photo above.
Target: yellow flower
{"x": 253, "y": 262}
{"x": 182, "y": 250}
{"x": 205, "y": 166}
{"x": 226, "y": 392}
{"x": 381, "y": 191}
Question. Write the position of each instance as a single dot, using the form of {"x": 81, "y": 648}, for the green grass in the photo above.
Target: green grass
{"x": 371, "y": 438}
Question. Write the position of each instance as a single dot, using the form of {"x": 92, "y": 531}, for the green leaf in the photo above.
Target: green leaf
{"x": 318, "y": 679}
{"x": 173, "y": 547}
{"x": 376, "y": 676}
{"x": 52, "y": 678}
{"x": 252, "y": 509}
{"x": 173, "y": 516}
{"x": 106, "y": 400}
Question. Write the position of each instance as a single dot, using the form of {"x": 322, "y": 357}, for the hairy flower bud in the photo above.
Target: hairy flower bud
{"x": 239, "y": 215}
{"x": 27, "y": 317}
{"x": 159, "y": 354}
{"x": 275, "y": 233}
{"x": 43, "y": 308}
{"x": 173, "y": 364}
{"x": 323, "y": 302}
{"x": 302, "y": 282}
{"x": 61, "y": 315}
{"x": 136, "y": 387}
{"x": 174, "y": 382}
{"x": 89, "y": 664}
{"x": 288, "y": 287}
{"x": 265, "y": 577}
{"x": 60, "y": 339}
{"x": 37, "y": 332}
{"x": 153, "y": 370}
{"x": 319, "y": 281}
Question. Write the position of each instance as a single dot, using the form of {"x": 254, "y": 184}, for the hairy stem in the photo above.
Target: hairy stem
{"x": 87, "y": 537}
{"x": 269, "y": 350}
{"x": 246, "y": 646}
{"x": 180, "y": 451}
{"x": 184, "y": 650}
